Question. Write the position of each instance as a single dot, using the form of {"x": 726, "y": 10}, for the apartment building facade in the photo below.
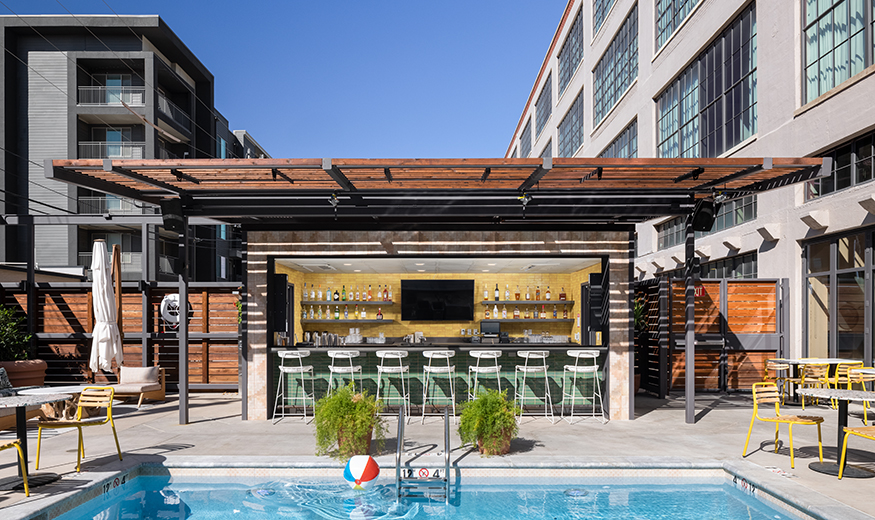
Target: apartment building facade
{"x": 733, "y": 78}
{"x": 104, "y": 87}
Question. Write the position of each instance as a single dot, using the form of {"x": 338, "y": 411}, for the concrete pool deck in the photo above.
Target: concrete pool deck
{"x": 216, "y": 435}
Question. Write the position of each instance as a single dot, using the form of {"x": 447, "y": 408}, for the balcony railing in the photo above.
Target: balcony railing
{"x": 169, "y": 109}
{"x": 104, "y": 205}
{"x": 112, "y": 150}
{"x": 132, "y": 268}
{"x": 134, "y": 96}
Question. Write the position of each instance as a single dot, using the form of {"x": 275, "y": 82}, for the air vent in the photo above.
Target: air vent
{"x": 319, "y": 268}
{"x": 535, "y": 267}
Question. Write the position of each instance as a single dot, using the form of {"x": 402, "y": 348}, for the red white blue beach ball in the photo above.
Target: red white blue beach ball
{"x": 361, "y": 471}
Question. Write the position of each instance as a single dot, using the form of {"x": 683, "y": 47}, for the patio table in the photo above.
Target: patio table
{"x": 60, "y": 409}
{"x": 20, "y": 403}
{"x": 843, "y": 397}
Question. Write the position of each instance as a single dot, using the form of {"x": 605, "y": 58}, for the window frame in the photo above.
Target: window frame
{"x": 632, "y": 138}
{"x": 574, "y": 105}
{"x": 621, "y": 70}
{"x": 547, "y": 97}
{"x": 565, "y": 70}
{"x": 526, "y": 144}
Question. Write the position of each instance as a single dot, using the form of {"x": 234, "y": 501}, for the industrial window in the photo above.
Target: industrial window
{"x": 669, "y": 15}
{"x": 617, "y": 68}
{"x": 733, "y": 213}
{"x": 571, "y": 128}
{"x": 671, "y": 233}
{"x": 600, "y": 10}
{"x": 740, "y": 266}
{"x": 544, "y": 105}
{"x": 526, "y": 140}
{"x": 625, "y": 145}
{"x": 572, "y": 52}
{"x": 514, "y": 154}
{"x": 852, "y": 164}
{"x": 835, "y": 43}
{"x": 547, "y": 153}
{"x": 712, "y": 105}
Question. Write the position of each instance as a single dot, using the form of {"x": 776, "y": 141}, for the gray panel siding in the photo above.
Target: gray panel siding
{"x": 47, "y": 139}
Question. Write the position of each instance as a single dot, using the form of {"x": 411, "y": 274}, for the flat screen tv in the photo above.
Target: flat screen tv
{"x": 437, "y": 300}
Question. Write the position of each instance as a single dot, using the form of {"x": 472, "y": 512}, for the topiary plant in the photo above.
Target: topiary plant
{"x": 489, "y": 421}
{"x": 14, "y": 342}
{"x": 346, "y": 419}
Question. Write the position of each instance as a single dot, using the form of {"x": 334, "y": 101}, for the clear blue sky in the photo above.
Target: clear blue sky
{"x": 359, "y": 78}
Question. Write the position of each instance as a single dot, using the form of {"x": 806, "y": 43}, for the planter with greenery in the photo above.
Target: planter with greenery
{"x": 346, "y": 421}
{"x": 15, "y": 351}
{"x": 489, "y": 421}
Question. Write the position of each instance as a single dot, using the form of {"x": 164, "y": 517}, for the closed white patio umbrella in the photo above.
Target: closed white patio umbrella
{"x": 106, "y": 343}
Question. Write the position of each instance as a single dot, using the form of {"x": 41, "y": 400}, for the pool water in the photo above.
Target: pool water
{"x": 161, "y": 498}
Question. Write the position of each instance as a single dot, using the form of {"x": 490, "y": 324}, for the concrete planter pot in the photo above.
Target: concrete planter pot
{"x": 27, "y": 372}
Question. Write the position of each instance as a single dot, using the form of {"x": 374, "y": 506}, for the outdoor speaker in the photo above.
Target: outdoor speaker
{"x": 704, "y": 214}
{"x": 171, "y": 210}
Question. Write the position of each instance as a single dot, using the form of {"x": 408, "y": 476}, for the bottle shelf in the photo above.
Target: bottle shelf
{"x": 348, "y": 302}
{"x": 527, "y": 302}
{"x": 346, "y": 321}
{"x": 530, "y": 320}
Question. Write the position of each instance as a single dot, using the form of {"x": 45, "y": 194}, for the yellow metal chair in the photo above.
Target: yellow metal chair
{"x": 773, "y": 370}
{"x": 17, "y": 445}
{"x": 867, "y": 432}
{"x": 768, "y": 393}
{"x": 841, "y": 379}
{"x": 856, "y": 378}
{"x": 91, "y": 397}
{"x": 814, "y": 375}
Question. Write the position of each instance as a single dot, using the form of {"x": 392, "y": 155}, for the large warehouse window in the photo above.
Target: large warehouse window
{"x": 852, "y": 164}
{"x": 669, "y": 15}
{"x": 571, "y": 129}
{"x": 712, "y": 105}
{"x": 616, "y": 69}
{"x": 571, "y": 54}
{"x": 625, "y": 145}
{"x": 544, "y": 105}
{"x": 526, "y": 140}
{"x": 600, "y": 10}
{"x": 836, "y": 33}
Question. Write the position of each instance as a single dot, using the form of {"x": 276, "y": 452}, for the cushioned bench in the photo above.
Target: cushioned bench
{"x": 145, "y": 382}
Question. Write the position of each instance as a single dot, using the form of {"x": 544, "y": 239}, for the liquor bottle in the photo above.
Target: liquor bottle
{"x": 303, "y": 312}
{"x": 379, "y": 292}
{"x": 319, "y": 316}
{"x": 506, "y": 293}
{"x": 562, "y": 295}
{"x": 517, "y": 293}
{"x": 336, "y": 312}
{"x": 346, "y": 312}
{"x": 516, "y": 312}
{"x": 379, "y": 313}
{"x": 328, "y": 297}
{"x": 343, "y": 294}
{"x": 312, "y": 293}
{"x": 487, "y": 315}
{"x": 357, "y": 312}
{"x": 497, "y": 294}
{"x": 369, "y": 293}
{"x": 312, "y": 314}
{"x": 547, "y": 296}
{"x": 358, "y": 295}
{"x": 504, "y": 312}
{"x": 364, "y": 312}
{"x": 495, "y": 312}
{"x": 485, "y": 292}
{"x": 305, "y": 291}
{"x": 538, "y": 293}
{"x": 554, "y": 313}
{"x": 543, "y": 313}
{"x": 526, "y": 316}
{"x": 320, "y": 291}
{"x": 527, "y": 293}
{"x": 336, "y": 295}
{"x": 390, "y": 294}
{"x": 385, "y": 293}
{"x": 564, "y": 312}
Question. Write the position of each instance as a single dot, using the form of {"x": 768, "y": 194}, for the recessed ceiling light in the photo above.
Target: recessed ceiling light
{"x": 347, "y": 264}
{"x": 357, "y": 270}
{"x": 420, "y": 270}
{"x": 420, "y": 264}
{"x": 486, "y": 270}
{"x": 490, "y": 264}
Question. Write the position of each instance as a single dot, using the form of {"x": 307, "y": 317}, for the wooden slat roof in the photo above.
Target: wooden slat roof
{"x": 459, "y": 187}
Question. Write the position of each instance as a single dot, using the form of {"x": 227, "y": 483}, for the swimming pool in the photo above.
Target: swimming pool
{"x": 163, "y": 497}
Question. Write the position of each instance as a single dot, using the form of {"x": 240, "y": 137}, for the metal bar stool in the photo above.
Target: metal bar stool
{"x": 586, "y": 370}
{"x": 302, "y": 370}
{"x": 526, "y": 368}
{"x": 390, "y": 369}
{"x": 478, "y": 369}
{"x": 337, "y": 366}
{"x": 429, "y": 370}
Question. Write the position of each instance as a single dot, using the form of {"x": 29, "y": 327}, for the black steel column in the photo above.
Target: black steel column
{"x": 242, "y": 348}
{"x": 690, "y": 325}
{"x": 32, "y": 304}
{"x": 144, "y": 294}
{"x": 184, "y": 256}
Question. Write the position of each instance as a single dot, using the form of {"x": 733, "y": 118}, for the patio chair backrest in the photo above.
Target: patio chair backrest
{"x": 815, "y": 372}
{"x": 856, "y": 377}
{"x": 766, "y": 393}
{"x": 95, "y": 397}
{"x": 842, "y": 370}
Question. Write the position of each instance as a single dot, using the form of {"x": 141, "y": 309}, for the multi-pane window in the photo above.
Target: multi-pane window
{"x": 835, "y": 43}
{"x": 600, "y": 10}
{"x": 514, "y": 154}
{"x": 671, "y": 233}
{"x": 625, "y": 145}
{"x": 544, "y": 105}
{"x": 547, "y": 153}
{"x": 669, "y": 15}
{"x": 740, "y": 266}
{"x": 852, "y": 164}
{"x": 572, "y": 52}
{"x": 571, "y": 129}
{"x": 526, "y": 140}
{"x": 733, "y": 213}
{"x": 712, "y": 105}
{"x": 617, "y": 68}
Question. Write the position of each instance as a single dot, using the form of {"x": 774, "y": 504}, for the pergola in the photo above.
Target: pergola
{"x": 453, "y": 193}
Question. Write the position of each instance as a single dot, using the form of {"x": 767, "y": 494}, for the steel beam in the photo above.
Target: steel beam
{"x": 337, "y": 175}
{"x": 108, "y": 167}
{"x": 537, "y": 175}
{"x": 767, "y": 165}
{"x": 690, "y": 324}
{"x": 94, "y": 183}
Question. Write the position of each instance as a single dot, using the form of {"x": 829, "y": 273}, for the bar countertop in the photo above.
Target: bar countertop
{"x": 442, "y": 345}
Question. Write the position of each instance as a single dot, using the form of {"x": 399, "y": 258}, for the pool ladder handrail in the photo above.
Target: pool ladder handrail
{"x": 402, "y": 483}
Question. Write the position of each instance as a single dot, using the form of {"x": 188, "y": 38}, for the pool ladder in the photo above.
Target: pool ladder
{"x": 427, "y": 486}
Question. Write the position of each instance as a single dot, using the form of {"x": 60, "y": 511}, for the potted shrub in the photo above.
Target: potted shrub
{"x": 346, "y": 421}
{"x": 489, "y": 421}
{"x": 15, "y": 351}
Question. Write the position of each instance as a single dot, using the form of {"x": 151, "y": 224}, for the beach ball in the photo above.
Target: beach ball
{"x": 361, "y": 471}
